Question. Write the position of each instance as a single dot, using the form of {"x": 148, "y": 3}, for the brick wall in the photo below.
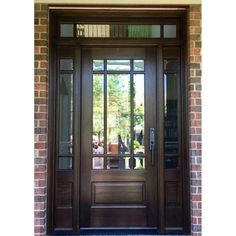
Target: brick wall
{"x": 41, "y": 95}
{"x": 41, "y": 91}
{"x": 194, "y": 43}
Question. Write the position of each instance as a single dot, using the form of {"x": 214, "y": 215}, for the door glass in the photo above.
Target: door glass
{"x": 118, "y": 113}
{"x": 98, "y": 113}
{"x": 138, "y": 65}
{"x": 98, "y": 65}
{"x": 118, "y": 65}
{"x": 118, "y": 163}
{"x": 171, "y": 113}
{"x": 138, "y": 114}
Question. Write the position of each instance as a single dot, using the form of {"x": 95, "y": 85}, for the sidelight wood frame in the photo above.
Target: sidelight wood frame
{"x": 118, "y": 13}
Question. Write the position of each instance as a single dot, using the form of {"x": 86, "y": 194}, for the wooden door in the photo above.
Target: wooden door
{"x": 118, "y": 168}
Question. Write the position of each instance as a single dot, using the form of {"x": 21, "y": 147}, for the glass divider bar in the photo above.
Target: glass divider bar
{"x": 132, "y": 116}
{"x": 105, "y": 114}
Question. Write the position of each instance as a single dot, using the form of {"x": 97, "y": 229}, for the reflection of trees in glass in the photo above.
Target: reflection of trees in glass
{"x": 98, "y": 110}
{"x": 118, "y": 107}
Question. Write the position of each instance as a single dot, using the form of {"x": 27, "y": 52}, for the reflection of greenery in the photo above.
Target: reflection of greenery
{"x": 118, "y": 106}
{"x": 98, "y": 105}
{"x": 139, "y": 115}
{"x": 136, "y": 144}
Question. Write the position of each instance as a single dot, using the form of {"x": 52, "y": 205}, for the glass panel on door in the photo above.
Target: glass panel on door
{"x": 118, "y": 114}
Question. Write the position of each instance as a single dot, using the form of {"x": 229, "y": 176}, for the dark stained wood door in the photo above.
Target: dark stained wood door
{"x": 118, "y": 170}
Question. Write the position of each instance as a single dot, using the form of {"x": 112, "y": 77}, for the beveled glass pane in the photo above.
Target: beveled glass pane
{"x": 98, "y": 114}
{"x": 118, "y": 65}
{"x": 98, "y": 163}
{"x": 118, "y": 113}
{"x": 138, "y": 145}
{"x": 66, "y": 64}
{"x": 98, "y": 65}
{"x": 65, "y": 163}
{"x": 169, "y": 31}
{"x": 139, "y": 163}
{"x": 171, "y": 144}
{"x": 66, "y": 114}
{"x": 118, "y": 163}
{"x": 66, "y": 30}
{"x": 138, "y": 65}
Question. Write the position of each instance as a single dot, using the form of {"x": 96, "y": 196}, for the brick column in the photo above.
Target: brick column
{"x": 194, "y": 47}
{"x": 41, "y": 90}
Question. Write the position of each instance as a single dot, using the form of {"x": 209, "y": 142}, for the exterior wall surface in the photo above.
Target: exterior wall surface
{"x": 41, "y": 106}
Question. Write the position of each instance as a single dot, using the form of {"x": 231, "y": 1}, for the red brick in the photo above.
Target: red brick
{"x": 36, "y": 50}
{"x": 196, "y": 197}
{"x": 41, "y": 28}
{"x": 40, "y": 191}
{"x": 43, "y": 79}
{"x": 43, "y": 109}
{"x": 42, "y": 137}
{"x": 40, "y": 86}
{"x": 197, "y": 51}
{"x": 39, "y": 176}
{"x": 39, "y": 206}
{"x": 43, "y": 94}
{"x": 43, "y": 64}
{"x": 40, "y": 116}
{"x": 42, "y": 153}
{"x": 43, "y": 123}
{"x": 195, "y": 94}
{"x": 39, "y": 168}
{"x": 40, "y": 145}
{"x": 40, "y": 183}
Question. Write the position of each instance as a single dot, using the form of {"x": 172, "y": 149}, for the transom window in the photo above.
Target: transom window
{"x": 118, "y": 30}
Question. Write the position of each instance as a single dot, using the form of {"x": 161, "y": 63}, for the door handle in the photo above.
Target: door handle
{"x": 152, "y": 144}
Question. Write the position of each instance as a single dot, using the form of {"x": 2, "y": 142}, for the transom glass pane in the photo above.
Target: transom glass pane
{"x": 118, "y": 31}
{"x": 169, "y": 31}
{"x": 118, "y": 65}
{"x": 66, "y": 30}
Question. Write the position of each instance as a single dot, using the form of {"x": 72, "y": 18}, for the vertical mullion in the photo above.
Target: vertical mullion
{"x": 105, "y": 113}
{"x": 132, "y": 115}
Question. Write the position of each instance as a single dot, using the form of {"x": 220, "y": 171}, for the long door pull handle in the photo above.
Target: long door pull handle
{"x": 152, "y": 145}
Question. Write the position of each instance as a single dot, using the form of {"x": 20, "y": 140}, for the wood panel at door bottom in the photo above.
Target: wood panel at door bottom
{"x": 118, "y": 201}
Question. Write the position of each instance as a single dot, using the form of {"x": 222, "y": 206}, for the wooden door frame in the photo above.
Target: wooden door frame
{"x": 137, "y": 12}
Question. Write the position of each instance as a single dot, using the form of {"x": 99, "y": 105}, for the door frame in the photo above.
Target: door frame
{"x": 145, "y": 13}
